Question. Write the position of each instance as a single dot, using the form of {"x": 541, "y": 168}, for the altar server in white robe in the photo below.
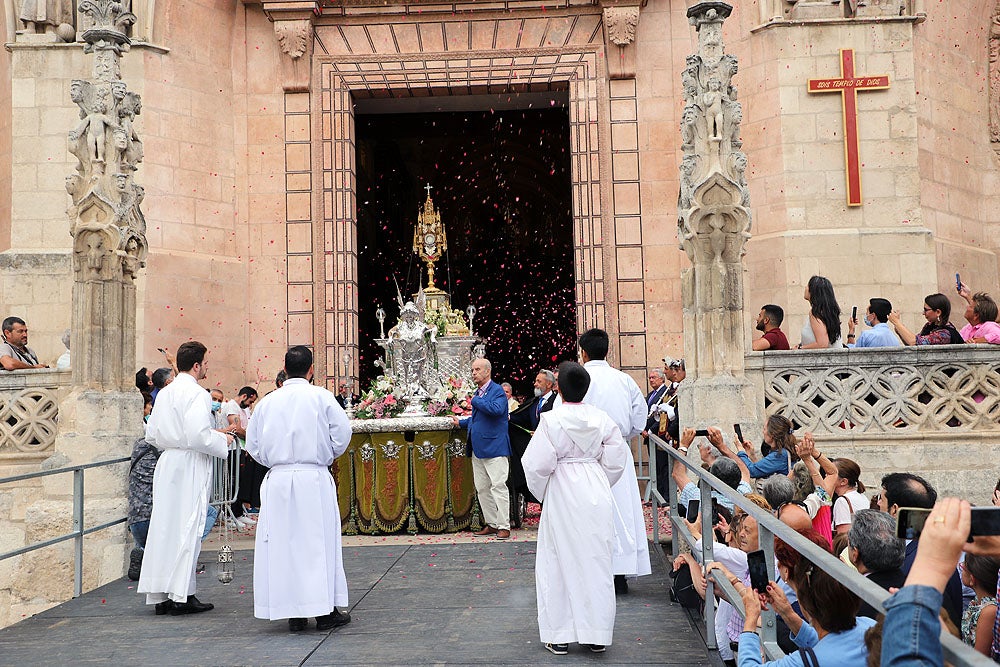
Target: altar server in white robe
{"x": 297, "y": 431}
{"x": 574, "y": 457}
{"x": 182, "y": 426}
{"x": 618, "y": 395}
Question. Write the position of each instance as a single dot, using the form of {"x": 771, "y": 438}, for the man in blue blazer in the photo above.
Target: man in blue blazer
{"x": 490, "y": 449}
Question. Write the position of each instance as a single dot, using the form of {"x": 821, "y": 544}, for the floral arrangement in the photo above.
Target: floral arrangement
{"x": 453, "y": 398}
{"x": 381, "y": 401}
{"x": 438, "y": 319}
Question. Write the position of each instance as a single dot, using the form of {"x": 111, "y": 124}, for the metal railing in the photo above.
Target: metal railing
{"x": 955, "y": 652}
{"x": 78, "y": 532}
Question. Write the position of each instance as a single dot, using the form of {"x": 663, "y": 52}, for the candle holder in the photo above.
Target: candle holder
{"x": 471, "y": 312}
{"x": 348, "y": 406}
{"x": 380, "y": 316}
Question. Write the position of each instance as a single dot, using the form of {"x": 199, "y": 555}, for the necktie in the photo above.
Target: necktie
{"x": 541, "y": 404}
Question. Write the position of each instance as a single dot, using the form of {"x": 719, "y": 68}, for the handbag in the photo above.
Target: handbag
{"x": 808, "y": 657}
{"x": 682, "y": 588}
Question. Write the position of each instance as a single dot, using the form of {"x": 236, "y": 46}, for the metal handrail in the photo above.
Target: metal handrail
{"x": 78, "y": 531}
{"x": 955, "y": 652}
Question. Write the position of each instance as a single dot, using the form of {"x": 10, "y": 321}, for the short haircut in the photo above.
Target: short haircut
{"x": 506, "y": 385}
{"x": 778, "y": 490}
{"x": 574, "y": 381}
{"x": 189, "y": 354}
{"x": 939, "y": 302}
{"x": 280, "y": 378}
{"x": 880, "y": 309}
{"x": 549, "y": 375}
{"x": 213, "y": 392}
{"x": 141, "y": 379}
{"x": 298, "y": 361}
{"x": 905, "y": 489}
{"x": 984, "y": 306}
{"x": 658, "y": 372}
{"x": 727, "y": 470}
{"x": 247, "y": 391}
{"x": 161, "y": 375}
{"x": 486, "y": 363}
{"x": 873, "y": 534}
{"x": 776, "y": 314}
{"x": 8, "y": 324}
{"x": 595, "y": 343}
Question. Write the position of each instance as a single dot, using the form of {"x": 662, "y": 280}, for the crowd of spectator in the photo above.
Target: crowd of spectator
{"x": 822, "y": 329}
{"x": 940, "y": 578}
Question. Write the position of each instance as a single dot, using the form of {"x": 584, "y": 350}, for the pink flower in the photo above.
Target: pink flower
{"x": 389, "y": 400}
{"x": 457, "y": 410}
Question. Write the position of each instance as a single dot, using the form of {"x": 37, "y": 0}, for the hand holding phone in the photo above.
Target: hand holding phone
{"x": 692, "y": 510}
{"x": 757, "y": 565}
{"x": 958, "y": 282}
{"x": 702, "y": 432}
{"x": 854, "y": 314}
{"x": 739, "y": 433}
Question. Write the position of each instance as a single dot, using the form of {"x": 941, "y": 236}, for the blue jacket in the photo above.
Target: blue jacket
{"x": 488, "y": 424}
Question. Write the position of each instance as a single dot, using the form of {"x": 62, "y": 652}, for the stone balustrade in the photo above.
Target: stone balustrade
{"x": 29, "y": 413}
{"x": 930, "y": 410}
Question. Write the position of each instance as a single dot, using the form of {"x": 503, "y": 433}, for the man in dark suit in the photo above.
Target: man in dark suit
{"x": 523, "y": 422}
{"x": 343, "y": 393}
{"x": 876, "y": 552}
{"x": 902, "y": 489}
{"x": 487, "y": 427}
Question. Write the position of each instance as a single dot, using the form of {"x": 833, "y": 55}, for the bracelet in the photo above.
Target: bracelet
{"x": 683, "y": 450}
{"x": 850, "y": 336}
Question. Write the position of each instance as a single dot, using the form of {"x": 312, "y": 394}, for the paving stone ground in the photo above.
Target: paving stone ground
{"x": 454, "y": 604}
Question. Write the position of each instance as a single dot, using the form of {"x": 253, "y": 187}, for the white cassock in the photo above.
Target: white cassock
{"x": 575, "y": 456}
{"x": 297, "y": 431}
{"x": 182, "y": 426}
{"x": 618, "y": 395}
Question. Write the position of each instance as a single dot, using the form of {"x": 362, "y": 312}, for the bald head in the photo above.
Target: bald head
{"x": 794, "y": 517}
{"x": 481, "y": 371}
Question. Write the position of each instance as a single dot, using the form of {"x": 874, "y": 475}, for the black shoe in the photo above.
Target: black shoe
{"x": 595, "y": 648}
{"x": 200, "y": 569}
{"x": 164, "y": 607}
{"x": 557, "y": 649}
{"x": 334, "y": 619}
{"x": 297, "y": 624}
{"x": 135, "y": 564}
{"x": 621, "y": 584}
{"x": 192, "y": 606}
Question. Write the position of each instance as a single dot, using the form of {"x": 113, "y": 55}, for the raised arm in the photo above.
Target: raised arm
{"x": 905, "y": 335}
{"x": 715, "y": 437}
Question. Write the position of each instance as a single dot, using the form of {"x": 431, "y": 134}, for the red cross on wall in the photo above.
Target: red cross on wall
{"x": 848, "y": 86}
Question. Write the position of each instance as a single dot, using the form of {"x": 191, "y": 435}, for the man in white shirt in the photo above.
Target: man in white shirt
{"x": 297, "y": 431}
{"x": 620, "y": 397}
{"x": 181, "y": 426}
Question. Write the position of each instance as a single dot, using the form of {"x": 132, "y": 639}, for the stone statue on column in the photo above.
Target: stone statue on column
{"x": 106, "y": 222}
{"x": 713, "y": 228}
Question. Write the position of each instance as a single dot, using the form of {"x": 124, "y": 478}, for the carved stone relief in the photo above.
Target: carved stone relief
{"x": 620, "y": 25}
{"x": 107, "y": 224}
{"x": 994, "y": 79}
{"x": 295, "y": 39}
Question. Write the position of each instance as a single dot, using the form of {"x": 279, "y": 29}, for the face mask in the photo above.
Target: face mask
{"x": 145, "y": 419}
{"x": 216, "y": 406}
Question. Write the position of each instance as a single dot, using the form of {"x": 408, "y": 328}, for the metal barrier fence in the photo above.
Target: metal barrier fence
{"x": 78, "y": 532}
{"x": 955, "y": 652}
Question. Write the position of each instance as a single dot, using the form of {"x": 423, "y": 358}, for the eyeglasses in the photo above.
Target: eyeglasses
{"x": 927, "y": 310}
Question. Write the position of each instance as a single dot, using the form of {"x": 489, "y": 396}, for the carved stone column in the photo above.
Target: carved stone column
{"x": 713, "y": 229}
{"x": 107, "y": 225}
{"x": 621, "y": 20}
{"x": 293, "y": 26}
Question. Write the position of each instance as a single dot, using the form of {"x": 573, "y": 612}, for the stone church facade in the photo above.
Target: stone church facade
{"x": 250, "y": 165}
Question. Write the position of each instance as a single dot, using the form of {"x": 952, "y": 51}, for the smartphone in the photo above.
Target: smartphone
{"x": 757, "y": 565}
{"x": 161, "y": 350}
{"x": 910, "y": 522}
{"x": 985, "y": 521}
{"x": 854, "y": 314}
{"x": 958, "y": 282}
{"x": 701, "y": 431}
{"x": 739, "y": 433}
{"x": 681, "y": 510}
{"x": 692, "y": 510}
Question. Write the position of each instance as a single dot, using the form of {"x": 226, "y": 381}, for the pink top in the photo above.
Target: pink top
{"x": 988, "y": 330}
